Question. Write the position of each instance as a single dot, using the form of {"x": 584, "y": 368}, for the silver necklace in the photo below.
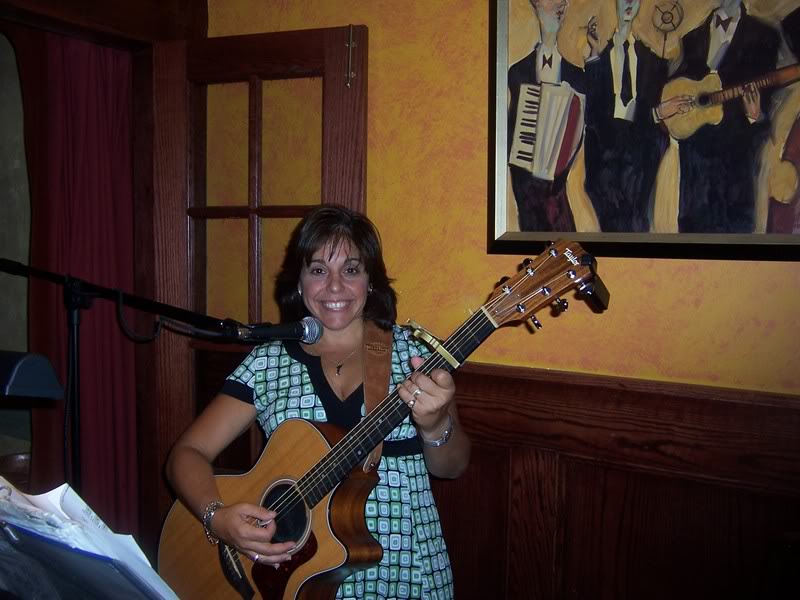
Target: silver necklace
{"x": 340, "y": 364}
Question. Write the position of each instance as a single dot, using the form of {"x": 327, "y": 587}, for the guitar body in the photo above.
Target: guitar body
{"x": 682, "y": 126}
{"x": 333, "y": 540}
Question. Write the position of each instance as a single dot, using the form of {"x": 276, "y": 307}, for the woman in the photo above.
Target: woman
{"x": 334, "y": 271}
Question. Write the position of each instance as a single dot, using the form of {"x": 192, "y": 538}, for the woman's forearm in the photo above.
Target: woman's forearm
{"x": 192, "y": 478}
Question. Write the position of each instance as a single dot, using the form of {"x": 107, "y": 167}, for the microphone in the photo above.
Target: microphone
{"x": 308, "y": 330}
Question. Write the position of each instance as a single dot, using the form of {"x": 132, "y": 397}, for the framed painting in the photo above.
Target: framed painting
{"x": 653, "y": 128}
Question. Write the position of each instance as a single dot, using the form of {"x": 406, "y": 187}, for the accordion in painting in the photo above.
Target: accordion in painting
{"x": 548, "y": 128}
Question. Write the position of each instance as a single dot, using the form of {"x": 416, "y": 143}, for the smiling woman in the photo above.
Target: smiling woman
{"x": 334, "y": 271}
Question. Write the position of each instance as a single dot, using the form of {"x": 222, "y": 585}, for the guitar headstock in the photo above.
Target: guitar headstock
{"x": 562, "y": 267}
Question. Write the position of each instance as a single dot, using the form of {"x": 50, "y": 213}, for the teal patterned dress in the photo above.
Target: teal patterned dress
{"x": 284, "y": 382}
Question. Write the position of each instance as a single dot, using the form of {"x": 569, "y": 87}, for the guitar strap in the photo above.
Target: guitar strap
{"x": 377, "y": 365}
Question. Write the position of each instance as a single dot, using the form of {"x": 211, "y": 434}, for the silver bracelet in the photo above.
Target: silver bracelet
{"x": 445, "y": 436}
{"x": 208, "y": 514}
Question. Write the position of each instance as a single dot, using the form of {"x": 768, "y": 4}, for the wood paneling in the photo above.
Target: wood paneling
{"x": 634, "y": 535}
{"x": 478, "y": 527}
{"x": 623, "y": 489}
{"x": 167, "y": 407}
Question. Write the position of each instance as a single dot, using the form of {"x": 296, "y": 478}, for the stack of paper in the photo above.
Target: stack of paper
{"x": 62, "y": 516}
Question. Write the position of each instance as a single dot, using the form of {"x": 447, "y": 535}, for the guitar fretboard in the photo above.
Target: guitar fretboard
{"x": 354, "y": 448}
{"x": 779, "y": 78}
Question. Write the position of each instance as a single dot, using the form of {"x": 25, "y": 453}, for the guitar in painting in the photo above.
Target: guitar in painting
{"x": 320, "y": 493}
{"x": 708, "y": 96}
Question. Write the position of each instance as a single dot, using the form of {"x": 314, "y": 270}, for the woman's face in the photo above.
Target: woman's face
{"x": 334, "y": 286}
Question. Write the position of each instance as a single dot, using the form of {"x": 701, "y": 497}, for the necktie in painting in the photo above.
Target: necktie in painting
{"x": 626, "y": 93}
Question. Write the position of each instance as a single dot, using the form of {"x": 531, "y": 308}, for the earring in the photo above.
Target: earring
{"x": 369, "y": 289}
{"x": 299, "y": 291}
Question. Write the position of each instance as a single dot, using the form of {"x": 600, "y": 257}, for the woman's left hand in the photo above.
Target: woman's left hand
{"x": 429, "y": 398}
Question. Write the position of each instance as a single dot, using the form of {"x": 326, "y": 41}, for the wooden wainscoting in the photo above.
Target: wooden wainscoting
{"x": 604, "y": 488}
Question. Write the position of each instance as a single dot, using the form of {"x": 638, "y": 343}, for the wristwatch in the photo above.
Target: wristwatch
{"x": 445, "y": 436}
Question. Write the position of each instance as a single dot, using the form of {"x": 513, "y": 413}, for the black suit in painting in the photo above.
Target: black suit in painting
{"x": 719, "y": 163}
{"x": 791, "y": 31}
{"x": 622, "y": 156}
{"x": 542, "y": 205}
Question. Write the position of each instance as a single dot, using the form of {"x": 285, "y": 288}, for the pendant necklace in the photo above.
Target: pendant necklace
{"x": 340, "y": 364}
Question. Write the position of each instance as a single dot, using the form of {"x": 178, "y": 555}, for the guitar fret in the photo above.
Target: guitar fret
{"x": 371, "y": 431}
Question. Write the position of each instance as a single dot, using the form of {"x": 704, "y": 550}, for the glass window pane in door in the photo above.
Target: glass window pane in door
{"x": 226, "y": 269}
{"x": 275, "y": 235}
{"x": 292, "y": 141}
{"x": 226, "y": 144}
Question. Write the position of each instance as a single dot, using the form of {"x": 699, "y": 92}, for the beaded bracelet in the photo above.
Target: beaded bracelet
{"x": 208, "y": 513}
{"x": 445, "y": 436}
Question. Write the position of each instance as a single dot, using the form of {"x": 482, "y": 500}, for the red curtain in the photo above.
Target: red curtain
{"x": 77, "y": 102}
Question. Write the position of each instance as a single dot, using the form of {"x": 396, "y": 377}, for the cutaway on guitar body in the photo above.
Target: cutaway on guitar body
{"x": 325, "y": 555}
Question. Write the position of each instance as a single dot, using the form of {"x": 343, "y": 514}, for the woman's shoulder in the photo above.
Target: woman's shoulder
{"x": 259, "y": 356}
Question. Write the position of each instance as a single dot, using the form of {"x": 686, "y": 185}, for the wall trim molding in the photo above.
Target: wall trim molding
{"x": 739, "y": 437}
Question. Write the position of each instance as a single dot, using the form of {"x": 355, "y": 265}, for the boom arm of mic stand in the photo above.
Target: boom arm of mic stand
{"x": 78, "y": 295}
{"x": 227, "y": 327}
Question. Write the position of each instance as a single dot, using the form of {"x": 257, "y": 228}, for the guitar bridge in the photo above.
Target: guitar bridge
{"x": 233, "y": 570}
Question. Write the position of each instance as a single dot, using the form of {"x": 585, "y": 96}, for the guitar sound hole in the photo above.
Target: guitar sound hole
{"x": 702, "y": 100}
{"x": 292, "y": 519}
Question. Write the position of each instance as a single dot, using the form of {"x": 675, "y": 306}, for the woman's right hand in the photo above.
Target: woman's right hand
{"x": 238, "y": 525}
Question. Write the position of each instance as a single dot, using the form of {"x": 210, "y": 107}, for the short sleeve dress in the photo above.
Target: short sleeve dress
{"x": 283, "y": 382}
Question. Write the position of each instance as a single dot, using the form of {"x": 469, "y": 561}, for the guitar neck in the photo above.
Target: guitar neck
{"x": 354, "y": 447}
{"x": 780, "y": 78}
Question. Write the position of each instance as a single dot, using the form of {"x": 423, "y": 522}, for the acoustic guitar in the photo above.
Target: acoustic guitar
{"x": 709, "y": 96}
{"x": 312, "y": 475}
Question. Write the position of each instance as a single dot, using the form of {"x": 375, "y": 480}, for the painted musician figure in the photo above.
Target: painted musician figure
{"x": 542, "y": 203}
{"x": 624, "y": 141}
{"x": 719, "y": 163}
{"x": 334, "y": 271}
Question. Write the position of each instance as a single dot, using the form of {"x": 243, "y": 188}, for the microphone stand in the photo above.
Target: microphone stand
{"x": 78, "y": 295}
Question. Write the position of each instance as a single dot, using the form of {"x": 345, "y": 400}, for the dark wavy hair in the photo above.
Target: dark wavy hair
{"x": 337, "y": 226}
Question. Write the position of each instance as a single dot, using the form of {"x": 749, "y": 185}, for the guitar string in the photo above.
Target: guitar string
{"x": 392, "y": 403}
{"x": 345, "y": 446}
{"x": 386, "y": 406}
{"x": 323, "y": 470}
{"x": 303, "y": 487}
{"x": 435, "y": 360}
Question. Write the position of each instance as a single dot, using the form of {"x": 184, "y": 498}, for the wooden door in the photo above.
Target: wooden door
{"x": 176, "y": 211}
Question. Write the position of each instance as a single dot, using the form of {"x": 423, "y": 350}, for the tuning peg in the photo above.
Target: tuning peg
{"x": 506, "y": 289}
{"x": 526, "y": 262}
{"x": 536, "y": 322}
{"x": 561, "y": 305}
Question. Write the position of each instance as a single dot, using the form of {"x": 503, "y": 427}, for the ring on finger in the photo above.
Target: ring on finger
{"x": 255, "y": 557}
{"x": 416, "y": 393}
{"x": 411, "y": 403}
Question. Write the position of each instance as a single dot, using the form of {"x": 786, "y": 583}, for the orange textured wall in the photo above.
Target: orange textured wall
{"x": 732, "y": 324}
